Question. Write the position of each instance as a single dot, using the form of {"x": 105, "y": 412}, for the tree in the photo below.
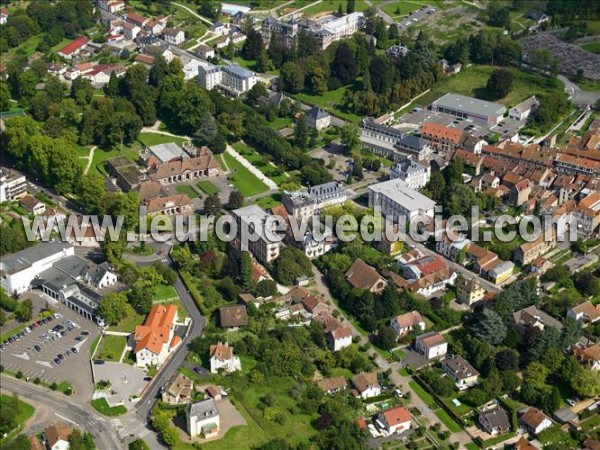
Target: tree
{"x": 536, "y": 374}
{"x": 212, "y": 204}
{"x": 246, "y": 281}
{"x": 499, "y": 84}
{"x": 253, "y": 45}
{"x": 343, "y": 67}
{"x": 292, "y": 77}
{"x": 24, "y": 311}
{"x": 436, "y": 186}
{"x": 586, "y": 383}
{"x": 490, "y": 327}
{"x": 301, "y": 133}
{"x": 81, "y": 441}
{"x": 507, "y": 359}
{"x": 265, "y": 288}
{"x": 210, "y": 9}
{"x": 349, "y": 137}
{"x": 263, "y": 64}
{"x": 350, "y": 6}
{"x": 291, "y": 264}
{"x": 588, "y": 284}
{"x": 386, "y": 337}
{"x": 551, "y": 401}
{"x": 92, "y": 193}
{"x": 114, "y": 307}
{"x": 170, "y": 436}
{"x": 236, "y": 200}
{"x": 4, "y": 97}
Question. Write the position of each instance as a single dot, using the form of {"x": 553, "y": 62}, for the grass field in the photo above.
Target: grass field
{"x": 102, "y": 407}
{"x": 101, "y": 156}
{"x": 281, "y": 122}
{"x": 328, "y": 5}
{"x": 472, "y": 82}
{"x": 593, "y": 47}
{"x": 332, "y": 101}
{"x": 269, "y": 202}
{"x": 207, "y": 187}
{"x": 260, "y": 162}
{"x": 111, "y": 347}
{"x": 422, "y": 393}
{"x": 243, "y": 180}
{"x": 401, "y": 8}
{"x": 25, "y": 412}
{"x": 150, "y": 139}
{"x": 187, "y": 190}
{"x": 128, "y": 324}
{"x": 164, "y": 292}
{"x": 448, "y": 421}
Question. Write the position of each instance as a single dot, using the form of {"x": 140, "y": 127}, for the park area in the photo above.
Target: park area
{"x": 241, "y": 178}
{"x": 261, "y": 163}
{"x": 111, "y": 348}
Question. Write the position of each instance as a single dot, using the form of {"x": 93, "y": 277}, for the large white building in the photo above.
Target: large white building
{"x": 414, "y": 174}
{"x": 470, "y": 108}
{"x": 156, "y": 338}
{"x": 13, "y": 185}
{"x": 202, "y": 418}
{"x": 305, "y": 203}
{"x": 395, "y": 199}
{"x": 233, "y": 79}
{"x": 253, "y": 219}
{"x": 18, "y": 270}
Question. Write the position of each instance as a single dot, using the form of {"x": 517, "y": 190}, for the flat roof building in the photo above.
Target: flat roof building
{"x": 396, "y": 199}
{"x": 252, "y": 220}
{"x": 469, "y": 108}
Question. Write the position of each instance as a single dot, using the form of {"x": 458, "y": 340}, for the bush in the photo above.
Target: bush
{"x": 54, "y": 386}
{"x": 19, "y": 375}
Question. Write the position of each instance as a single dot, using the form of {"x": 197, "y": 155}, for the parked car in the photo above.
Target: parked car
{"x": 79, "y": 338}
{"x": 85, "y": 333}
{"x": 198, "y": 370}
{"x": 73, "y": 349}
{"x": 37, "y": 348}
{"x": 99, "y": 361}
{"x": 2, "y": 346}
{"x": 68, "y": 353}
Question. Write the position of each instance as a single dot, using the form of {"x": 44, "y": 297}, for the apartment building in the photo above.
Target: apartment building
{"x": 397, "y": 200}
{"x": 414, "y": 174}
{"x": 253, "y": 219}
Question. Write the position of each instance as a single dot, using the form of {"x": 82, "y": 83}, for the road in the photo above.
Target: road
{"x": 386, "y": 17}
{"x": 60, "y": 407}
{"x": 578, "y": 96}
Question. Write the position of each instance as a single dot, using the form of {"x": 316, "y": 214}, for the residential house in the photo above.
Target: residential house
{"x": 340, "y": 338}
{"x": 463, "y": 373}
{"x": 405, "y": 323}
{"x": 501, "y": 272}
{"x": 219, "y": 28}
{"x": 454, "y": 249}
{"x": 222, "y": 358}
{"x": 136, "y": 19}
{"x": 3, "y": 16}
{"x": 588, "y": 444}
{"x": 395, "y": 420}
{"x": 179, "y": 390}
{"x": 156, "y": 338}
{"x": 524, "y": 444}
{"x": 57, "y": 436}
{"x": 111, "y": 6}
{"x": 414, "y": 174}
{"x": 410, "y": 146}
{"x": 469, "y": 290}
{"x": 317, "y": 118}
{"x": 366, "y": 385}
{"x": 204, "y": 51}
{"x": 534, "y": 317}
{"x": 173, "y": 36}
{"x": 362, "y": 276}
{"x": 537, "y": 16}
{"x": 32, "y": 204}
{"x": 535, "y": 421}
{"x": 101, "y": 73}
{"x": 202, "y": 418}
{"x": 442, "y": 139}
{"x": 526, "y": 253}
{"x": 332, "y": 385}
{"x": 397, "y": 51}
{"x": 178, "y": 204}
{"x": 431, "y": 345}
{"x": 585, "y": 312}
{"x": 233, "y": 316}
{"x": 588, "y": 355}
{"x": 35, "y": 443}
{"x": 524, "y": 109}
{"x": 73, "y": 49}
{"x": 494, "y": 421}
{"x": 519, "y": 193}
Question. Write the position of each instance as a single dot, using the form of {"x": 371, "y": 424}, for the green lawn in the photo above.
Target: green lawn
{"x": 448, "y": 421}
{"x": 150, "y": 139}
{"x": 208, "y": 187}
{"x": 422, "y": 393}
{"x": 328, "y": 5}
{"x": 164, "y": 292}
{"x": 472, "y": 81}
{"x": 94, "y": 345}
{"x": 332, "y": 101}
{"x": 111, "y": 347}
{"x": 591, "y": 424}
{"x": 187, "y": 190}
{"x": 401, "y": 8}
{"x": 128, "y": 324}
{"x": 24, "y": 413}
{"x": 243, "y": 180}
{"x": 101, "y": 405}
{"x": 65, "y": 387}
{"x": 261, "y": 163}
{"x": 269, "y": 201}
{"x": 281, "y": 122}
{"x": 101, "y": 156}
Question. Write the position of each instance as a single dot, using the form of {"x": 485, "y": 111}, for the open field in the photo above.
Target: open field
{"x": 164, "y": 292}
{"x": 243, "y": 180}
{"x": 102, "y": 407}
{"x": 207, "y": 187}
{"x": 593, "y": 47}
{"x": 332, "y": 101}
{"x": 401, "y": 8}
{"x": 128, "y": 324}
{"x": 260, "y": 162}
{"x": 111, "y": 347}
{"x": 472, "y": 82}
{"x": 328, "y": 6}
{"x": 448, "y": 421}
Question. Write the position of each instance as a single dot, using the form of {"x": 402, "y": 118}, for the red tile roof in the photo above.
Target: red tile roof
{"x": 72, "y": 47}
{"x": 397, "y": 415}
{"x": 437, "y": 131}
{"x": 156, "y": 330}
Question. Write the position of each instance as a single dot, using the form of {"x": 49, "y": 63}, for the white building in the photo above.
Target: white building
{"x": 305, "y": 203}
{"x": 535, "y": 421}
{"x": 366, "y": 385}
{"x": 265, "y": 245}
{"x": 338, "y": 28}
{"x": 202, "y": 418}
{"x": 396, "y": 199}
{"x": 173, "y": 35}
{"x": 111, "y": 6}
{"x": 340, "y": 338}
{"x": 431, "y": 345}
{"x": 395, "y": 420}
{"x": 221, "y": 357}
{"x": 317, "y": 118}
{"x": 408, "y": 322}
{"x": 156, "y": 339}
{"x": 205, "y": 51}
{"x": 524, "y": 109}
{"x": 233, "y": 79}
{"x": 414, "y": 174}
{"x": 13, "y": 185}
{"x": 18, "y": 270}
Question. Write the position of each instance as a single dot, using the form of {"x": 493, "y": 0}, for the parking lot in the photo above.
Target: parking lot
{"x": 36, "y": 354}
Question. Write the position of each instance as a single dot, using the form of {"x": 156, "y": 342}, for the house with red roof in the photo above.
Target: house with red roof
{"x": 73, "y": 48}
{"x": 340, "y": 338}
{"x": 394, "y": 420}
{"x": 156, "y": 338}
{"x": 431, "y": 345}
{"x": 408, "y": 322}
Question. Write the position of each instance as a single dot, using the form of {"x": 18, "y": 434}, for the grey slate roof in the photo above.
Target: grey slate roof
{"x": 16, "y": 262}
{"x": 203, "y": 409}
{"x": 316, "y": 113}
{"x": 496, "y": 418}
{"x": 78, "y": 267}
{"x": 470, "y": 105}
{"x": 460, "y": 367}
{"x": 239, "y": 71}
{"x": 412, "y": 141}
{"x": 167, "y": 152}
{"x": 408, "y": 166}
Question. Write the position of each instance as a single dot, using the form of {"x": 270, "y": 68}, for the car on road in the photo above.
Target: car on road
{"x": 73, "y": 349}
{"x": 2, "y": 346}
{"x": 68, "y": 353}
{"x": 37, "y": 348}
{"x": 79, "y": 338}
{"x": 60, "y": 356}
{"x": 56, "y": 361}
{"x": 85, "y": 333}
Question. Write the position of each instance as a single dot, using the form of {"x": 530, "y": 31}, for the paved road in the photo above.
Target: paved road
{"x": 62, "y": 408}
{"x": 386, "y": 17}
{"x": 578, "y": 96}
{"x": 171, "y": 366}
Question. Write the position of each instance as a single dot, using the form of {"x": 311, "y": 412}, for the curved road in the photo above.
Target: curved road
{"x": 82, "y": 416}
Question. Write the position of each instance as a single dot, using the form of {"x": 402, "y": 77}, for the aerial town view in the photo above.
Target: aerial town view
{"x": 299, "y": 224}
